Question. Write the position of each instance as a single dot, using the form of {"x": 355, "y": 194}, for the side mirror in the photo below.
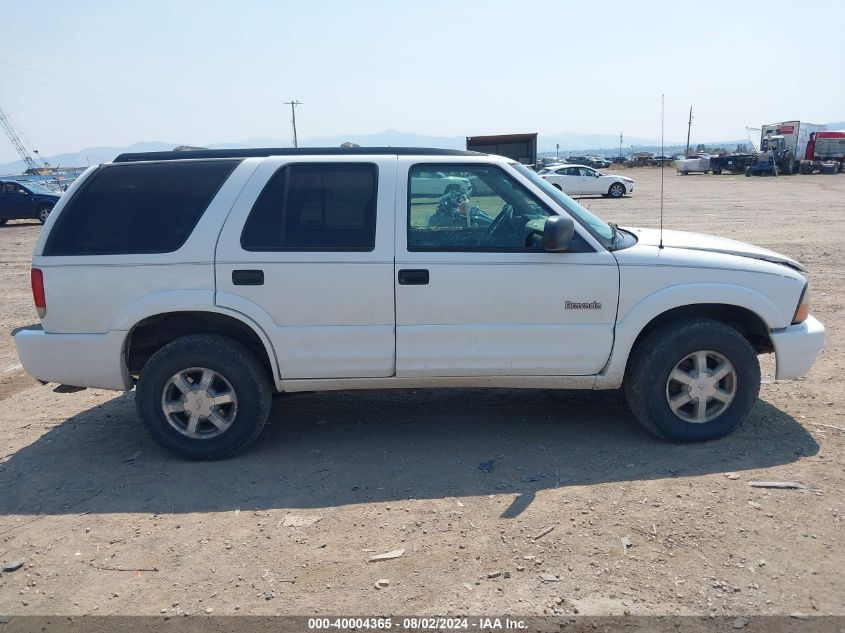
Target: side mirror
{"x": 557, "y": 233}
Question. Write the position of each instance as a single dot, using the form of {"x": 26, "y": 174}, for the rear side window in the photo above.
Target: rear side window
{"x": 321, "y": 206}
{"x": 137, "y": 208}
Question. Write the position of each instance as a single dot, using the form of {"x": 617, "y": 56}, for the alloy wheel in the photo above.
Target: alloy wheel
{"x": 199, "y": 403}
{"x": 701, "y": 386}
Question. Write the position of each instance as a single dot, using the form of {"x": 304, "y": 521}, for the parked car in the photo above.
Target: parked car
{"x": 25, "y": 200}
{"x": 581, "y": 180}
{"x": 433, "y": 183}
{"x": 693, "y": 163}
{"x": 223, "y": 276}
{"x": 642, "y": 159}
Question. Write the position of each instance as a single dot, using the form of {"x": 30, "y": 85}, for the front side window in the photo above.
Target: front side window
{"x": 479, "y": 207}
{"x": 319, "y": 206}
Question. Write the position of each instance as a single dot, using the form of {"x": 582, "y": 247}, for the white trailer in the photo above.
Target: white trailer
{"x": 796, "y": 135}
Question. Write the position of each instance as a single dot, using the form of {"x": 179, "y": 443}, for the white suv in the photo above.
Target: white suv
{"x": 211, "y": 279}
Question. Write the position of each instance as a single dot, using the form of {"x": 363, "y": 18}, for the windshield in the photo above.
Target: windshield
{"x": 598, "y": 227}
{"x": 35, "y": 187}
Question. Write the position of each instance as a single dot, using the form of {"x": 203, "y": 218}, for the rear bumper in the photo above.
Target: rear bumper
{"x": 797, "y": 347}
{"x": 81, "y": 360}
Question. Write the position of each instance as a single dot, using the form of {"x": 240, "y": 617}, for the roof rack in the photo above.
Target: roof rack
{"x": 289, "y": 151}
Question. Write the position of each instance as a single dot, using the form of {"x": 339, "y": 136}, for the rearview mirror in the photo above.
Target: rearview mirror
{"x": 557, "y": 233}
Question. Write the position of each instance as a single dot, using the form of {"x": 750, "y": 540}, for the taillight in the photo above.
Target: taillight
{"x": 37, "y": 278}
{"x": 803, "y": 309}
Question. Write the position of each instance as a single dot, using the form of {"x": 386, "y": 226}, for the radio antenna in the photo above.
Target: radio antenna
{"x": 662, "y": 163}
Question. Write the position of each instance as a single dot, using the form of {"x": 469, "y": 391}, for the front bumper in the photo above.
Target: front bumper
{"x": 81, "y": 360}
{"x": 796, "y": 348}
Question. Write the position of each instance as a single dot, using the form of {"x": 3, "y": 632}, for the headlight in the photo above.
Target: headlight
{"x": 803, "y": 309}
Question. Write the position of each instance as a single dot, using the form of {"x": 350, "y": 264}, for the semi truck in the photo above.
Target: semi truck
{"x": 787, "y": 143}
{"x": 782, "y": 148}
{"x": 825, "y": 153}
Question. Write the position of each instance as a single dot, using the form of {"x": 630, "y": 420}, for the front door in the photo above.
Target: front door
{"x": 307, "y": 252}
{"x": 477, "y": 296}
{"x": 15, "y": 201}
{"x": 591, "y": 181}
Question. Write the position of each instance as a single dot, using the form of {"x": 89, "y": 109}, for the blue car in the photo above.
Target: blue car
{"x": 24, "y": 200}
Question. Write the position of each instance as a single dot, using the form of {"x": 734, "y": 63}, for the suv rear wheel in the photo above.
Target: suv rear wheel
{"x": 694, "y": 381}
{"x": 204, "y": 396}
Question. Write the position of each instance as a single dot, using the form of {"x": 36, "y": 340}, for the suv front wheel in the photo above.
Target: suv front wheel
{"x": 204, "y": 396}
{"x": 692, "y": 382}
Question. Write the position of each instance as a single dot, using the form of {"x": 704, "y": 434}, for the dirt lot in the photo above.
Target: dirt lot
{"x": 107, "y": 523}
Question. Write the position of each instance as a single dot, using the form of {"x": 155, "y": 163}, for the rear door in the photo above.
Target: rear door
{"x": 307, "y": 252}
{"x": 570, "y": 180}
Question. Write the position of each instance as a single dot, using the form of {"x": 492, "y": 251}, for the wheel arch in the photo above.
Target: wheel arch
{"x": 745, "y": 321}
{"x": 754, "y": 318}
{"x": 152, "y": 332}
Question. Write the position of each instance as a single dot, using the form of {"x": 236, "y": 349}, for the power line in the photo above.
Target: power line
{"x": 87, "y": 86}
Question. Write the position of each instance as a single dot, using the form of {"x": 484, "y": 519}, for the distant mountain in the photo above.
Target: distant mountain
{"x": 568, "y": 142}
{"x": 88, "y": 156}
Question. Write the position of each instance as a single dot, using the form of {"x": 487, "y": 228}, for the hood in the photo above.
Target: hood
{"x": 712, "y": 244}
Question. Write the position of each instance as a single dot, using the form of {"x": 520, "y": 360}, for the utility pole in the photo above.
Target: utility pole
{"x": 557, "y": 151}
{"x": 293, "y": 105}
{"x": 620, "y": 144}
{"x": 689, "y": 128}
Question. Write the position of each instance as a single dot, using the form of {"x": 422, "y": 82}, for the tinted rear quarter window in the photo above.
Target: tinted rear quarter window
{"x": 325, "y": 206}
{"x": 137, "y": 208}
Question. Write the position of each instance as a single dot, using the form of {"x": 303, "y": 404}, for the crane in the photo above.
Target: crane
{"x": 20, "y": 146}
{"x": 755, "y": 141}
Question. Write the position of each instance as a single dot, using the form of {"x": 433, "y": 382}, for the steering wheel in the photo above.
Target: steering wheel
{"x": 505, "y": 214}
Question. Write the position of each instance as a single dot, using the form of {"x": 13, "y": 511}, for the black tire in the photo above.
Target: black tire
{"x": 717, "y": 172}
{"x": 748, "y": 172}
{"x": 43, "y": 213}
{"x": 655, "y": 357}
{"x": 557, "y": 186}
{"x": 236, "y": 364}
{"x": 616, "y": 190}
{"x": 3, "y": 222}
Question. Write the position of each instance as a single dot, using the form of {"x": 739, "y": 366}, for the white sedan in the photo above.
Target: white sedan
{"x": 436, "y": 183}
{"x": 580, "y": 179}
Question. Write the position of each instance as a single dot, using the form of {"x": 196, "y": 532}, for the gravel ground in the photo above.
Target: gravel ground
{"x": 574, "y": 510}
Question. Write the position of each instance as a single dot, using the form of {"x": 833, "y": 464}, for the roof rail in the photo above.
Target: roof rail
{"x": 289, "y": 151}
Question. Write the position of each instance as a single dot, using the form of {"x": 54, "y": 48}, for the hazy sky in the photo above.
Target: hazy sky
{"x": 91, "y": 73}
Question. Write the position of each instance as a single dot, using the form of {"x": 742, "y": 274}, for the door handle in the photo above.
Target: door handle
{"x": 248, "y": 277}
{"x": 413, "y": 277}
